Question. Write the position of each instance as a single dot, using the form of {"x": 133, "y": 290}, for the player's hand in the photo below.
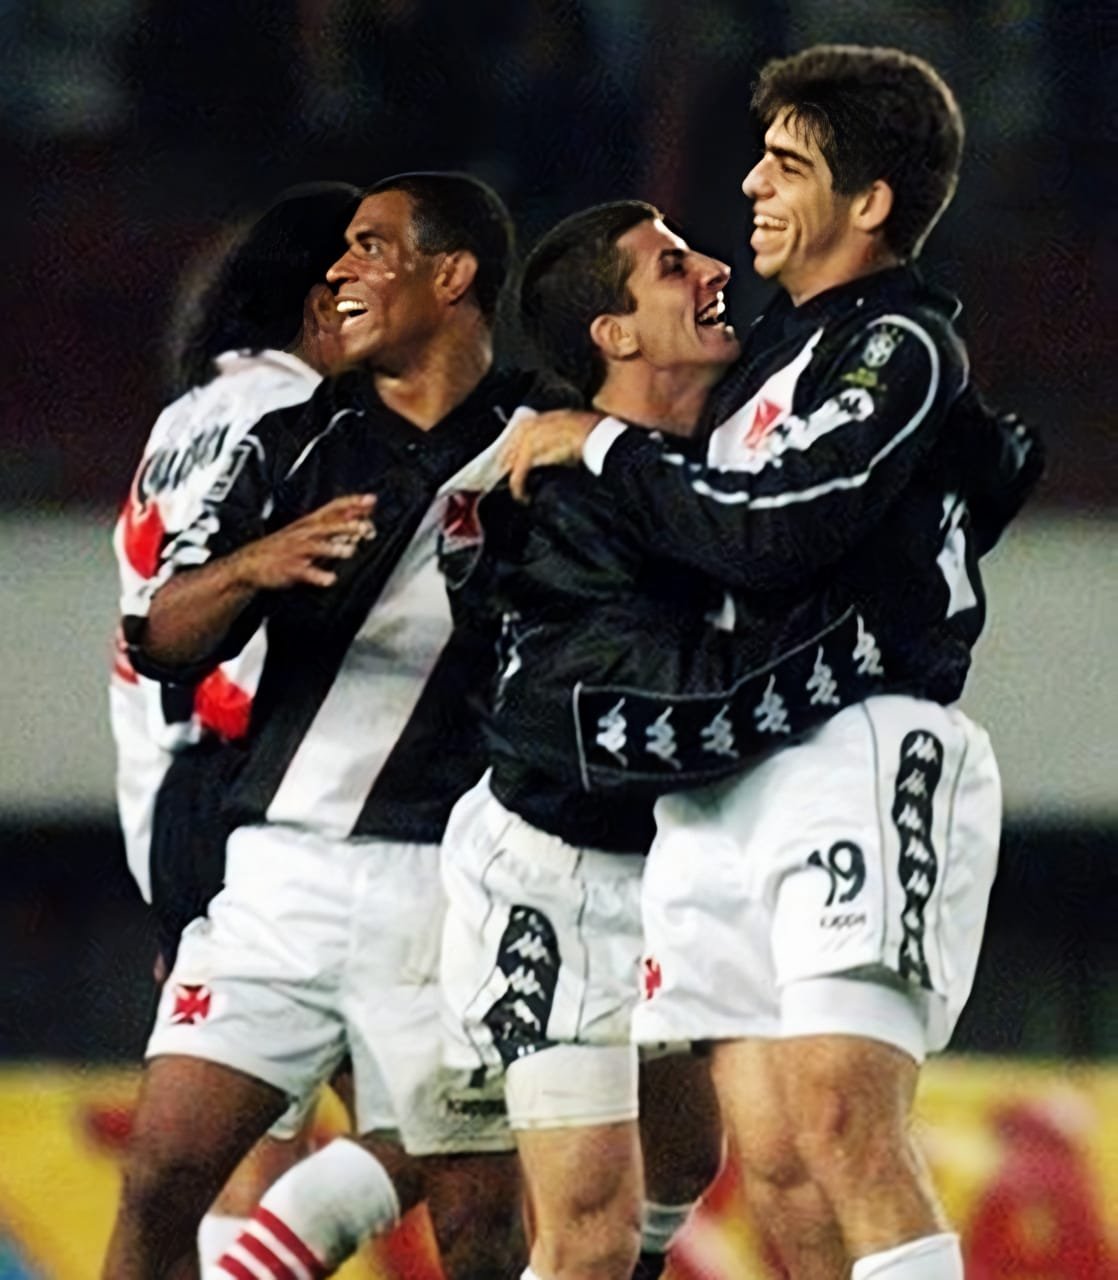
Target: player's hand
{"x": 552, "y": 439}
{"x": 294, "y": 554}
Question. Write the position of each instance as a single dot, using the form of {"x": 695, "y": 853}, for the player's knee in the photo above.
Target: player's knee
{"x": 595, "y": 1236}
{"x": 168, "y": 1190}
{"x": 772, "y": 1160}
{"x": 841, "y": 1141}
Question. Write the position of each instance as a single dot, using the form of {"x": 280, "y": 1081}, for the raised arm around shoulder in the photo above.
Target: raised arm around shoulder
{"x": 777, "y": 510}
{"x": 552, "y": 439}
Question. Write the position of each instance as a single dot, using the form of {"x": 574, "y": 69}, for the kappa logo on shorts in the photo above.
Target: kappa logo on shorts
{"x": 918, "y": 774}
{"x": 192, "y": 1004}
{"x": 528, "y": 956}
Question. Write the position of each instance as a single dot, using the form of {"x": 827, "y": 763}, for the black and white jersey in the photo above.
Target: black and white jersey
{"x": 833, "y": 513}
{"x": 364, "y": 720}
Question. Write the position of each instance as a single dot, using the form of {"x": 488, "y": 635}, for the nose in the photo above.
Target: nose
{"x": 340, "y": 270}
{"x": 715, "y": 274}
{"x": 755, "y": 184}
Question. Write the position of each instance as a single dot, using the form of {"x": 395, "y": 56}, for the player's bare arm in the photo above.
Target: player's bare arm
{"x": 552, "y": 439}
{"x": 192, "y": 613}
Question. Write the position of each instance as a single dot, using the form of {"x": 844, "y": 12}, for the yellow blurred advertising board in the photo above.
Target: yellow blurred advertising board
{"x": 1025, "y": 1156}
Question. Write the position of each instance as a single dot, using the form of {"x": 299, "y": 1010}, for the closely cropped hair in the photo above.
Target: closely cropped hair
{"x": 874, "y": 114}
{"x": 453, "y": 211}
{"x": 574, "y": 274}
{"x": 252, "y": 296}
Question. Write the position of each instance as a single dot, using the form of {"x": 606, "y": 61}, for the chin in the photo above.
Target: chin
{"x": 767, "y": 268}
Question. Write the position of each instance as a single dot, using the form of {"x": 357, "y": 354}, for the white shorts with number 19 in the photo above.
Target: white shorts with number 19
{"x": 838, "y": 887}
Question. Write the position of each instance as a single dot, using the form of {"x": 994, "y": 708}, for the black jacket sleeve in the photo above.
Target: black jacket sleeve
{"x": 816, "y": 483}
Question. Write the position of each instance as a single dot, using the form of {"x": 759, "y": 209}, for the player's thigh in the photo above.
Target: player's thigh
{"x": 755, "y": 1110}
{"x": 195, "y": 1120}
{"x": 849, "y": 1098}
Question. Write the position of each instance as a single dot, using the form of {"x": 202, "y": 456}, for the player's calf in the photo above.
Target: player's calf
{"x": 475, "y": 1207}
{"x": 318, "y": 1213}
{"x": 585, "y": 1192}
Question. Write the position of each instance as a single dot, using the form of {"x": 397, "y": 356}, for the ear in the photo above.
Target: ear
{"x": 872, "y": 206}
{"x": 455, "y": 274}
{"x": 613, "y": 337}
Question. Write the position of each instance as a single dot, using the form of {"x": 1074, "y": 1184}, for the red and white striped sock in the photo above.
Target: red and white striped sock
{"x": 268, "y": 1249}
{"x": 313, "y": 1218}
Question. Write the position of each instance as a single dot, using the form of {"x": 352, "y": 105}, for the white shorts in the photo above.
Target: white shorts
{"x": 541, "y": 949}
{"x": 317, "y": 947}
{"x": 838, "y": 887}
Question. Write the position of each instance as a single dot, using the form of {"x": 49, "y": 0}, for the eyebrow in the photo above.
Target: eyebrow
{"x": 786, "y": 153}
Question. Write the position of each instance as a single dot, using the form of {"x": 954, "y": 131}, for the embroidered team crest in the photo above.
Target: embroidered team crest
{"x": 192, "y": 1004}
{"x": 652, "y": 978}
{"x": 879, "y": 347}
{"x": 461, "y": 526}
{"x": 764, "y": 415}
{"x": 460, "y": 535}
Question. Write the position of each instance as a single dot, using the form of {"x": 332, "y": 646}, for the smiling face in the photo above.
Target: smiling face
{"x": 321, "y": 343}
{"x": 384, "y": 286}
{"x": 679, "y": 318}
{"x": 803, "y": 231}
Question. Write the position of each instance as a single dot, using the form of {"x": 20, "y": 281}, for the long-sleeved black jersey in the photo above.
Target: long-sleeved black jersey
{"x": 364, "y": 720}
{"x": 840, "y": 500}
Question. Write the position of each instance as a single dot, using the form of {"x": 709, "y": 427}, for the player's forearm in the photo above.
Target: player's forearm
{"x": 193, "y": 612}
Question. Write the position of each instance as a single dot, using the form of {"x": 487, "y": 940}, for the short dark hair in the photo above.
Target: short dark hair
{"x": 253, "y": 297}
{"x": 874, "y": 113}
{"x": 575, "y": 273}
{"x": 452, "y": 211}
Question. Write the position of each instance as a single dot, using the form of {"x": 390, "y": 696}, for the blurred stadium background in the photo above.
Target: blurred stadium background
{"x": 131, "y": 131}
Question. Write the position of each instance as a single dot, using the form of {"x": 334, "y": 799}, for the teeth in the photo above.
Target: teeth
{"x": 771, "y": 224}
{"x": 712, "y": 312}
{"x": 349, "y": 306}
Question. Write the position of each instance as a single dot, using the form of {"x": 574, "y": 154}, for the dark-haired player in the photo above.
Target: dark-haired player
{"x": 324, "y": 939}
{"x": 818, "y": 917}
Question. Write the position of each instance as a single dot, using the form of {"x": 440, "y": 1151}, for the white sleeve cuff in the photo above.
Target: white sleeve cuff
{"x": 598, "y": 443}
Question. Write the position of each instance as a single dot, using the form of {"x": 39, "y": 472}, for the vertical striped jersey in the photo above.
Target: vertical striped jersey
{"x": 366, "y": 717}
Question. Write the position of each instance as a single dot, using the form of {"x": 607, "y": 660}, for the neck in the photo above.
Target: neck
{"x": 438, "y": 378}
{"x": 867, "y": 265}
{"x": 662, "y": 399}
